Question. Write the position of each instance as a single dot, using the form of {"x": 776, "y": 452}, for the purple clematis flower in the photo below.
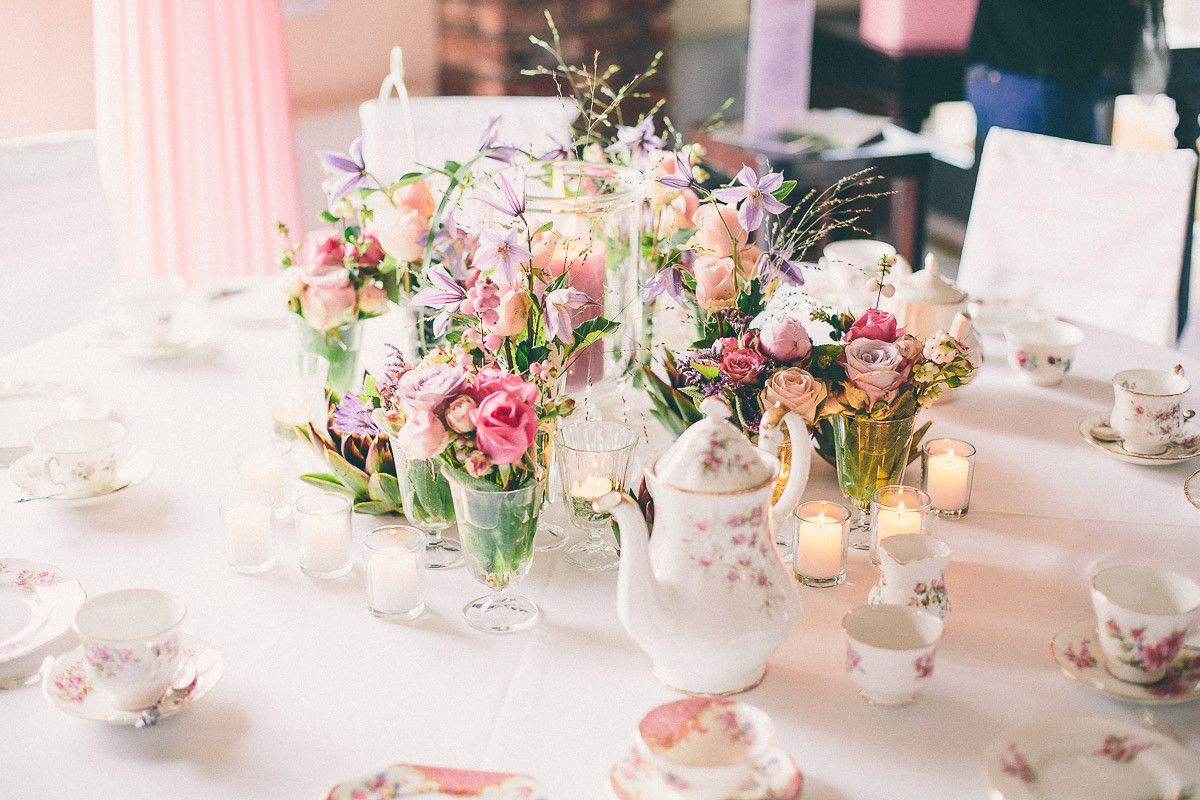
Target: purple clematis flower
{"x": 509, "y": 201}
{"x": 352, "y": 166}
{"x": 557, "y": 152}
{"x": 683, "y": 177}
{"x": 754, "y": 195}
{"x": 452, "y": 245}
{"x": 669, "y": 279}
{"x": 490, "y": 131}
{"x": 559, "y": 305}
{"x": 781, "y": 264}
{"x": 640, "y": 139}
{"x": 503, "y": 252}
{"x": 445, "y": 294}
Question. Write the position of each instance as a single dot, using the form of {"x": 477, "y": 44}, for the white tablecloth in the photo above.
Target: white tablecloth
{"x": 316, "y": 691}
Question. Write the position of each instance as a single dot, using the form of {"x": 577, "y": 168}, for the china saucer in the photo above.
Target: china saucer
{"x": 27, "y": 405}
{"x": 428, "y": 783}
{"x": 1088, "y": 757}
{"x": 134, "y": 465}
{"x": 37, "y": 603}
{"x": 1186, "y": 447}
{"x": 632, "y": 777}
{"x": 67, "y": 687}
{"x": 1077, "y": 651}
{"x": 189, "y": 330}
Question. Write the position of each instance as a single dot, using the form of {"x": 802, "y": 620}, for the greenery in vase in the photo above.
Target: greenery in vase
{"x": 426, "y": 493}
{"x": 497, "y": 529}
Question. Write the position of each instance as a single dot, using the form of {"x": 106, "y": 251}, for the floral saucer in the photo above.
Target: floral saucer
{"x": 37, "y": 603}
{"x": 134, "y": 465}
{"x": 415, "y": 781}
{"x": 1077, "y": 651}
{"x": 67, "y": 687}
{"x": 1089, "y": 757}
{"x": 1106, "y": 439}
{"x": 189, "y": 329}
{"x": 632, "y": 778}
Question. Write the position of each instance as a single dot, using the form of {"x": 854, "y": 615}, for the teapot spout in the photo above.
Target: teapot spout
{"x": 637, "y": 588}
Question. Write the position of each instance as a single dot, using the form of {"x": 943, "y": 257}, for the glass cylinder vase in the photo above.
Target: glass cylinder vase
{"x": 428, "y": 506}
{"x": 339, "y": 346}
{"x": 870, "y": 453}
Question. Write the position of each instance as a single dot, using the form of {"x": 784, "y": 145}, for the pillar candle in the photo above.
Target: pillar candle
{"x": 949, "y": 481}
{"x": 820, "y": 544}
{"x": 895, "y": 521}
{"x": 582, "y": 256}
{"x": 394, "y": 580}
{"x": 323, "y": 542}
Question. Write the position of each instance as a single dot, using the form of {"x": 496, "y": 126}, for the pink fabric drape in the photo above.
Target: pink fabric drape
{"x": 194, "y": 134}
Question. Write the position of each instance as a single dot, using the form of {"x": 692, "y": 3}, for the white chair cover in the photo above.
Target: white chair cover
{"x": 1084, "y": 231}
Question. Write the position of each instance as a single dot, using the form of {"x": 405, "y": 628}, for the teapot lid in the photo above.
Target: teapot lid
{"x": 928, "y": 288}
{"x": 713, "y": 456}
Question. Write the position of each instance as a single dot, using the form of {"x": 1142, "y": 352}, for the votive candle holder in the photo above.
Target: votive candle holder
{"x": 947, "y": 474}
{"x": 822, "y": 539}
{"x": 249, "y": 527}
{"x": 898, "y": 509}
{"x": 323, "y": 522}
{"x": 394, "y": 563}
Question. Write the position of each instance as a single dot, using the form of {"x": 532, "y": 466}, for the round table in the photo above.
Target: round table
{"x": 316, "y": 690}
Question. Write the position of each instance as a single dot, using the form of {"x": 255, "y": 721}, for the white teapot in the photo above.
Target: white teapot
{"x": 708, "y": 597}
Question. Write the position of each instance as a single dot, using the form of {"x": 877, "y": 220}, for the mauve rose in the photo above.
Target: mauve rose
{"x": 423, "y": 436}
{"x": 876, "y": 367}
{"x": 796, "y": 390}
{"x": 504, "y": 427}
{"x": 742, "y": 364}
{"x": 322, "y": 248}
{"x": 372, "y": 300}
{"x": 431, "y": 387}
{"x": 513, "y": 310}
{"x": 716, "y": 287}
{"x": 402, "y": 232}
{"x": 875, "y": 324}
{"x": 910, "y": 347}
{"x": 458, "y": 414}
{"x": 415, "y": 197}
{"x": 372, "y": 254}
{"x": 327, "y": 296}
{"x": 490, "y": 380}
{"x": 785, "y": 339}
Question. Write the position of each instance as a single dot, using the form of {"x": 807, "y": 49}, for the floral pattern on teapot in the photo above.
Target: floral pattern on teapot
{"x": 734, "y": 549}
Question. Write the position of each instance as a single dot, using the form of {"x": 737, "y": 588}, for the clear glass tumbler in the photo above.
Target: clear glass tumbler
{"x": 593, "y": 458}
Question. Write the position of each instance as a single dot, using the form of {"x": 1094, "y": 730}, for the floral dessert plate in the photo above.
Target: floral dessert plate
{"x": 68, "y": 688}
{"x": 134, "y": 465}
{"x": 27, "y": 405}
{"x": 1091, "y": 757}
{"x": 1076, "y": 648}
{"x": 418, "y": 782}
{"x": 1095, "y": 431}
{"x": 632, "y": 777}
{"x": 37, "y": 603}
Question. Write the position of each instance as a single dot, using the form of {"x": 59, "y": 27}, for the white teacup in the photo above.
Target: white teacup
{"x": 1143, "y": 614}
{"x": 850, "y": 264}
{"x": 1040, "y": 351}
{"x": 890, "y": 651}
{"x": 706, "y": 748}
{"x": 80, "y": 455}
{"x": 131, "y": 644}
{"x": 143, "y": 310}
{"x": 1147, "y": 408}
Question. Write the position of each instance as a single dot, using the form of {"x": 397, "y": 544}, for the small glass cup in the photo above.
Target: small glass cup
{"x": 593, "y": 457}
{"x": 298, "y": 395}
{"x": 822, "y": 538}
{"x": 262, "y": 466}
{"x": 898, "y": 509}
{"x": 323, "y": 521}
{"x": 947, "y": 472}
{"x": 247, "y": 519}
{"x": 393, "y": 557}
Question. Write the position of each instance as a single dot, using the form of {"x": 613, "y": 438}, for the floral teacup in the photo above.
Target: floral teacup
{"x": 706, "y": 748}
{"x": 1147, "y": 409}
{"x": 890, "y": 650}
{"x": 1143, "y": 614}
{"x": 1041, "y": 350}
{"x": 79, "y": 455}
{"x": 131, "y": 644}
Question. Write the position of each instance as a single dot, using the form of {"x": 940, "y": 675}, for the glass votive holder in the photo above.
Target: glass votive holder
{"x": 323, "y": 522}
{"x": 947, "y": 472}
{"x": 593, "y": 457}
{"x": 262, "y": 466}
{"x": 393, "y": 559}
{"x": 249, "y": 526}
{"x": 822, "y": 538}
{"x": 298, "y": 395}
{"x": 895, "y": 510}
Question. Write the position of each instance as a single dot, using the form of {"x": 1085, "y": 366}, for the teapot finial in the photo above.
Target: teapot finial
{"x": 931, "y": 263}
{"x": 715, "y": 407}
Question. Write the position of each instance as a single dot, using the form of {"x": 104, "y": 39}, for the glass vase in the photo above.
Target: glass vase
{"x": 549, "y": 535}
{"x": 497, "y": 529}
{"x": 339, "y": 346}
{"x": 870, "y": 453}
{"x": 417, "y": 337}
{"x": 596, "y": 209}
{"x": 429, "y": 507}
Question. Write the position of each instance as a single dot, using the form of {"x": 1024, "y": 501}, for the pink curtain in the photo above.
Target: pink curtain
{"x": 194, "y": 133}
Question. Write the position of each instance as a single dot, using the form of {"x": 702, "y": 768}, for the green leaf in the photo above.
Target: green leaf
{"x": 409, "y": 178}
{"x": 385, "y": 488}
{"x": 784, "y": 190}
{"x": 591, "y": 331}
{"x": 325, "y": 215}
{"x": 710, "y": 371}
{"x": 375, "y": 508}
{"x": 351, "y": 476}
{"x": 543, "y": 229}
{"x": 369, "y": 386}
{"x": 327, "y": 482}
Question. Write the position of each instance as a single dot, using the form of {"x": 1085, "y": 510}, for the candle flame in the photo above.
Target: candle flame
{"x": 821, "y": 518}
{"x": 950, "y": 455}
{"x": 900, "y": 510}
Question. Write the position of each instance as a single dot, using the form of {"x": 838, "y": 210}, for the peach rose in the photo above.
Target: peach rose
{"x": 716, "y": 287}
{"x": 513, "y": 310}
{"x": 796, "y": 390}
{"x": 458, "y": 414}
{"x": 415, "y": 197}
{"x": 327, "y": 296}
{"x": 372, "y": 299}
{"x": 544, "y": 245}
{"x": 401, "y": 232}
{"x": 720, "y": 234}
{"x": 423, "y": 436}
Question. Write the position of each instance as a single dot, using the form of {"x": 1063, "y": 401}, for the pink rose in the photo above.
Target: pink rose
{"x": 423, "y": 436}
{"x": 372, "y": 254}
{"x": 372, "y": 300}
{"x": 401, "y": 232}
{"x": 796, "y": 390}
{"x": 458, "y": 414}
{"x": 720, "y": 234}
{"x": 513, "y": 310}
{"x": 477, "y": 464}
{"x": 742, "y": 364}
{"x": 876, "y": 367}
{"x": 785, "y": 339}
{"x": 490, "y": 380}
{"x": 875, "y": 324}
{"x": 677, "y": 214}
{"x": 504, "y": 427}
{"x": 415, "y": 197}
{"x": 327, "y": 296}
{"x": 716, "y": 287}
{"x": 910, "y": 347}
{"x": 322, "y": 248}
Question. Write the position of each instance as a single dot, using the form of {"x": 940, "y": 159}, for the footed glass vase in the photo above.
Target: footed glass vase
{"x": 497, "y": 529}
{"x": 339, "y": 346}
{"x": 870, "y": 453}
{"x": 428, "y": 506}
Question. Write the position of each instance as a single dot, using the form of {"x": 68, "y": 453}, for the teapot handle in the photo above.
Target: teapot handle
{"x": 770, "y": 437}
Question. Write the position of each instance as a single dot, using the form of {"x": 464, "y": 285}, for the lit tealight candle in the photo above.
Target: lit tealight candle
{"x": 592, "y": 487}
{"x": 894, "y": 521}
{"x": 820, "y": 544}
{"x": 394, "y": 581}
{"x": 949, "y": 481}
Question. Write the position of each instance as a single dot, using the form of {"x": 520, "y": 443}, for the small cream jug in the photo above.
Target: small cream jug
{"x": 913, "y": 573}
{"x": 708, "y": 597}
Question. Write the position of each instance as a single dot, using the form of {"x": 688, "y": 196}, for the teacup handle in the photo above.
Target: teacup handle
{"x": 1178, "y": 370}
{"x": 49, "y": 463}
{"x": 755, "y": 787}
{"x": 1188, "y": 415}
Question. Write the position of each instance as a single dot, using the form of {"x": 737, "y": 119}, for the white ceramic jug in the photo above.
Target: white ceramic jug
{"x": 913, "y": 573}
